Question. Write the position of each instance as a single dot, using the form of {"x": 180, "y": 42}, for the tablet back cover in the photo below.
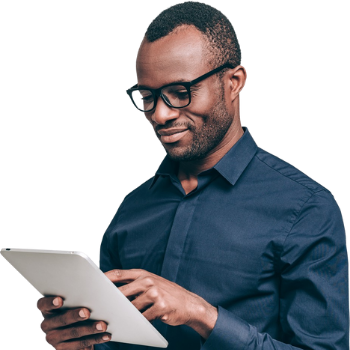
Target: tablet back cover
{"x": 74, "y": 277}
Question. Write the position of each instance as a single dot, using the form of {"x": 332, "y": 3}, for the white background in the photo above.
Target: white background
{"x": 72, "y": 144}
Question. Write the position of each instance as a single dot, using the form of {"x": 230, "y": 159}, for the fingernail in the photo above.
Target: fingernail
{"x": 56, "y": 302}
{"x": 82, "y": 314}
{"x": 99, "y": 326}
{"x": 105, "y": 337}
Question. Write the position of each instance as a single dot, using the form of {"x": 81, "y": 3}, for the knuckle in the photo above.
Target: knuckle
{"x": 74, "y": 333}
{"x": 60, "y": 346}
{"x": 50, "y": 337}
{"x": 117, "y": 273}
{"x": 164, "y": 318}
{"x": 149, "y": 281}
{"x": 61, "y": 319}
{"x": 39, "y": 303}
{"x": 153, "y": 293}
{"x": 162, "y": 305}
{"x": 98, "y": 339}
{"x": 84, "y": 343}
{"x": 43, "y": 326}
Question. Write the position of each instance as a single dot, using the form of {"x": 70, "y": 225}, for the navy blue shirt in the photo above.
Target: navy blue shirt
{"x": 257, "y": 238}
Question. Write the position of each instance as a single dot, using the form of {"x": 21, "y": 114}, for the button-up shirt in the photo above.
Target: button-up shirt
{"x": 257, "y": 238}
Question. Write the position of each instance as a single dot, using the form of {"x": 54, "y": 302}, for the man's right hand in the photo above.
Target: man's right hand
{"x": 70, "y": 329}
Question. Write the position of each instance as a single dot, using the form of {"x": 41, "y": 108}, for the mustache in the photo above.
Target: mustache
{"x": 174, "y": 124}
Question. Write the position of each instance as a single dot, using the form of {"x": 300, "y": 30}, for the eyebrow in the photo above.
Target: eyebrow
{"x": 171, "y": 83}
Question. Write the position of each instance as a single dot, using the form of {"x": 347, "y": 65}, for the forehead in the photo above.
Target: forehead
{"x": 179, "y": 56}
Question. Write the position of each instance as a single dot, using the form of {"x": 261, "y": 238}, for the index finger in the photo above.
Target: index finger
{"x": 125, "y": 276}
{"x": 47, "y": 304}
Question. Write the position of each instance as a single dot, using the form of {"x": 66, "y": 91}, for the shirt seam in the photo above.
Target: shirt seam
{"x": 309, "y": 188}
{"x": 247, "y": 342}
{"x": 296, "y": 219}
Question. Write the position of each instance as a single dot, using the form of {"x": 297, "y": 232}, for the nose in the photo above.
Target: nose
{"x": 163, "y": 113}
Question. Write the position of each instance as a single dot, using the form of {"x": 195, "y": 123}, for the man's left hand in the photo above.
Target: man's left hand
{"x": 158, "y": 298}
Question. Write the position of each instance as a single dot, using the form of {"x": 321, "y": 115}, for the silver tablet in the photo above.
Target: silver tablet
{"x": 74, "y": 277}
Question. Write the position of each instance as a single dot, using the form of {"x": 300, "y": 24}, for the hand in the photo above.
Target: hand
{"x": 158, "y": 298}
{"x": 70, "y": 329}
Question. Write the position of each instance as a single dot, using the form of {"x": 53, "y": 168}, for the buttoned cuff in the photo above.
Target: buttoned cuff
{"x": 230, "y": 332}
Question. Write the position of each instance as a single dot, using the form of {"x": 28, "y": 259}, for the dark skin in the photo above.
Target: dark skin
{"x": 178, "y": 56}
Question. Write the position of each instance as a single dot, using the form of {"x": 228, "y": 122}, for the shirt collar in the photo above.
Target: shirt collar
{"x": 230, "y": 166}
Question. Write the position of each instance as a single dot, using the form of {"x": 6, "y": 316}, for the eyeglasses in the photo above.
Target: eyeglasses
{"x": 175, "y": 95}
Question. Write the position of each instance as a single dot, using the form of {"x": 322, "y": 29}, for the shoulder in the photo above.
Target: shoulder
{"x": 287, "y": 174}
{"x": 305, "y": 200}
{"x": 131, "y": 204}
{"x": 140, "y": 190}
{"x": 136, "y": 196}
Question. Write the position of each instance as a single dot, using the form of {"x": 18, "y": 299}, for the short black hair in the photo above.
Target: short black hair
{"x": 219, "y": 35}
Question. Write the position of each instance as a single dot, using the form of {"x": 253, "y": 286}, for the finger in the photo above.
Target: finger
{"x": 82, "y": 331}
{"x": 59, "y": 335}
{"x": 64, "y": 319}
{"x": 152, "y": 313}
{"x": 125, "y": 276}
{"x": 139, "y": 286}
{"x": 142, "y": 303}
{"x": 47, "y": 304}
{"x": 149, "y": 298}
{"x": 85, "y": 342}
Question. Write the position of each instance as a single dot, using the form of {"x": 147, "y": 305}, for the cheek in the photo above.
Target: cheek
{"x": 204, "y": 101}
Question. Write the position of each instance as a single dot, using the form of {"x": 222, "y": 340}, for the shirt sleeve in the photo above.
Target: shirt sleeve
{"x": 313, "y": 272}
{"x": 109, "y": 258}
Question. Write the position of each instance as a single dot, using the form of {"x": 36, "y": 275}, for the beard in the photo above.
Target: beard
{"x": 206, "y": 137}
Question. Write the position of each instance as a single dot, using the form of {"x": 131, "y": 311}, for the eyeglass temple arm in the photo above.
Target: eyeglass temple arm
{"x": 206, "y": 75}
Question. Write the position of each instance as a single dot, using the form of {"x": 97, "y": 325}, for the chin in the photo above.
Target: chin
{"x": 183, "y": 155}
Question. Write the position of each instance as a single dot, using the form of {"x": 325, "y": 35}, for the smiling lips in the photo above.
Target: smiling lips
{"x": 172, "y": 135}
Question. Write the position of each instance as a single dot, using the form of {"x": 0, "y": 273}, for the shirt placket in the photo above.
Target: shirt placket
{"x": 177, "y": 237}
{"x": 182, "y": 224}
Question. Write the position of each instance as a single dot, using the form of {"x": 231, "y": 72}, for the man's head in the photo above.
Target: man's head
{"x": 181, "y": 44}
{"x": 219, "y": 37}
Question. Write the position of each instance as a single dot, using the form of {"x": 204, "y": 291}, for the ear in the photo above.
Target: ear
{"x": 236, "y": 80}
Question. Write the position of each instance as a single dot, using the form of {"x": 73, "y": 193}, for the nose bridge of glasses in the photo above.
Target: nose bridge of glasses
{"x": 159, "y": 93}
{"x": 163, "y": 111}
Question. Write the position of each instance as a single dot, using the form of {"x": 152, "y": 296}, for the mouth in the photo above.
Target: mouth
{"x": 171, "y": 135}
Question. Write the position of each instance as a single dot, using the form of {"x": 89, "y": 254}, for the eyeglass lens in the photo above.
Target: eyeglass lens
{"x": 174, "y": 95}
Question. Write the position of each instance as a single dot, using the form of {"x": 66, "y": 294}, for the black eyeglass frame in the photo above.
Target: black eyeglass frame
{"x": 158, "y": 92}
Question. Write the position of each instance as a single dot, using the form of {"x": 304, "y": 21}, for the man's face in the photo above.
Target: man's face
{"x": 197, "y": 130}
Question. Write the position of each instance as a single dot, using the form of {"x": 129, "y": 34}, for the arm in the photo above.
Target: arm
{"x": 313, "y": 291}
{"x": 314, "y": 309}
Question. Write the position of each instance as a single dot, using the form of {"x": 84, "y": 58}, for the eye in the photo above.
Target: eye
{"x": 177, "y": 92}
{"x": 147, "y": 98}
{"x": 182, "y": 95}
{"x": 146, "y": 95}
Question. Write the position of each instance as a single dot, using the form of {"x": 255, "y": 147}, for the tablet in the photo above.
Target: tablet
{"x": 74, "y": 277}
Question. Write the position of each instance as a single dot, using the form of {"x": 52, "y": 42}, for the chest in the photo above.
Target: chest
{"x": 214, "y": 244}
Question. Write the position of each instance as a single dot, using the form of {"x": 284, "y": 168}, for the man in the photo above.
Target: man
{"x": 227, "y": 246}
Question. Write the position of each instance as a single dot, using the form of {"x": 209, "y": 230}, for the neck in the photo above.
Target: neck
{"x": 188, "y": 171}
